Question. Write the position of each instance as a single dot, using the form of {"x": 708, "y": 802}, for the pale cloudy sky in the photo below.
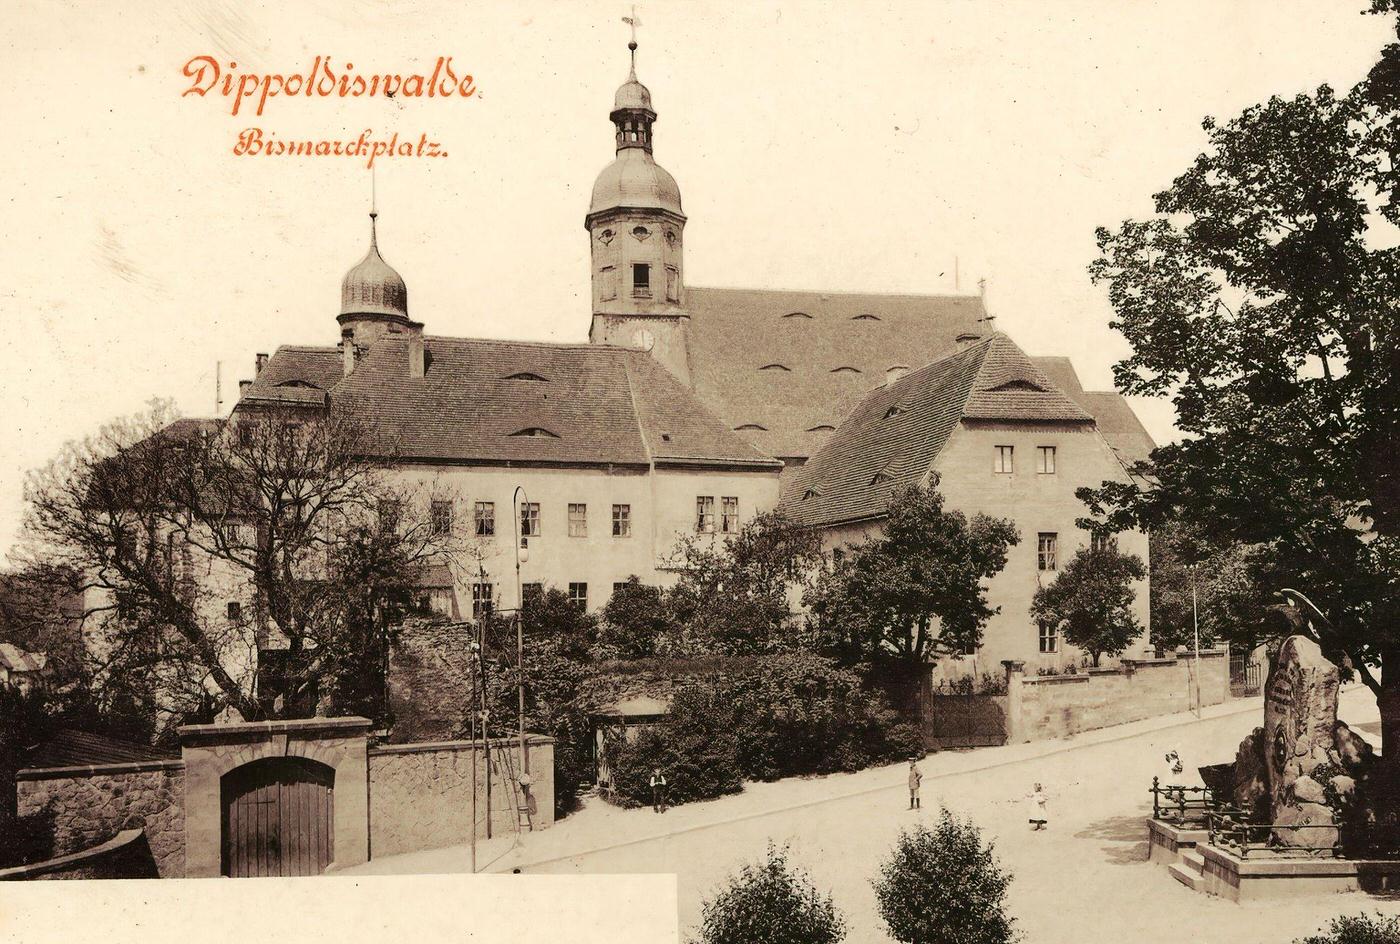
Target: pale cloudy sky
{"x": 850, "y": 146}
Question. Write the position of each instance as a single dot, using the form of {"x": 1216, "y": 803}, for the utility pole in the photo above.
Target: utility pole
{"x": 476, "y": 654}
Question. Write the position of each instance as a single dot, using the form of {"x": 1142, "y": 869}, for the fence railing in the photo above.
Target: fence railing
{"x": 1246, "y": 677}
{"x": 1230, "y": 829}
{"x": 1181, "y": 805}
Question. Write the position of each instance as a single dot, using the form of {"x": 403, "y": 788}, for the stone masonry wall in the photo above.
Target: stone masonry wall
{"x": 430, "y": 679}
{"x": 1041, "y": 707}
{"x": 90, "y": 805}
{"x": 421, "y": 794}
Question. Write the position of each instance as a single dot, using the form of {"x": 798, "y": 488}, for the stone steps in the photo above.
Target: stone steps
{"x": 1189, "y": 871}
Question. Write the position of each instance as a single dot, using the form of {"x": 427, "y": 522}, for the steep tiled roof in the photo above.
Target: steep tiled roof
{"x": 72, "y": 748}
{"x": 476, "y": 403}
{"x": 893, "y": 436}
{"x": 1117, "y": 422}
{"x": 735, "y": 333}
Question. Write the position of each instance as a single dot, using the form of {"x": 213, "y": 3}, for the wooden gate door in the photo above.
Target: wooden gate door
{"x": 279, "y": 817}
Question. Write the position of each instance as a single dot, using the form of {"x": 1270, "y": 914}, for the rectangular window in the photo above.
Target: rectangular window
{"x": 618, "y": 587}
{"x": 641, "y": 280}
{"x": 1048, "y": 550}
{"x": 245, "y": 434}
{"x": 440, "y": 517}
{"x": 578, "y": 520}
{"x": 1049, "y": 638}
{"x": 390, "y": 510}
{"x": 1045, "y": 460}
{"x": 529, "y": 519}
{"x": 530, "y": 593}
{"x": 609, "y": 283}
{"x": 1003, "y": 463}
{"x": 705, "y": 514}
{"x": 622, "y": 521}
{"x": 673, "y": 284}
{"x": 235, "y": 611}
{"x": 232, "y": 535}
{"x": 483, "y": 600}
{"x": 485, "y": 519}
{"x": 729, "y": 515}
{"x": 578, "y": 595}
{"x": 1103, "y": 542}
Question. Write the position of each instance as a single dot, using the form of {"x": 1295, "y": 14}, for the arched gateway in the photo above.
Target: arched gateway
{"x": 278, "y": 817}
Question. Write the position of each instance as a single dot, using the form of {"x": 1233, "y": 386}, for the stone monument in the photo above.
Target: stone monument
{"x": 1299, "y": 742}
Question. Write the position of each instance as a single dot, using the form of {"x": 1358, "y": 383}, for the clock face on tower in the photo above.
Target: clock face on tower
{"x": 643, "y": 339}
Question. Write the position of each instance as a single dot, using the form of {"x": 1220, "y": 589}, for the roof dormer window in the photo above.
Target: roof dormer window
{"x": 865, "y": 316}
{"x": 751, "y": 426}
{"x": 535, "y": 432}
{"x": 526, "y": 375}
{"x": 821, "y": 428}
{"x": 845, "y": 370}
{"x": 893, "y": 411}
{"x": 798, "y": 314}
{"x": 775, "y": 367}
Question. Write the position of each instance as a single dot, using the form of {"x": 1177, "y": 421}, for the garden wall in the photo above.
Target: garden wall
{"x": 91, "y": 805}
{"x": 1052, "y": 706}
{"x": 421, "y": 794}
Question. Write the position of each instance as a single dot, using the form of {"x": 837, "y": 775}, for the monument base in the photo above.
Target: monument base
{"x": 1263, "y": 878}
{"x": 1167, "y": 843}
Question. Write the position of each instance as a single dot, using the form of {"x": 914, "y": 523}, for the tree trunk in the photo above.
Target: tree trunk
{"x": 1388, "y": 700}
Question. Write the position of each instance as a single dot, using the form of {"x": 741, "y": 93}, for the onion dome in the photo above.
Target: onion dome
{"x": 372, "y": 287}
{"x": 634, "y": 180}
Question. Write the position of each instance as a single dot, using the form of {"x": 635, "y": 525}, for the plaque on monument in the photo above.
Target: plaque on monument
{"x": 1300, "y": 720}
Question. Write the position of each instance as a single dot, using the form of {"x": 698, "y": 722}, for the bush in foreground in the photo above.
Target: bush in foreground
{"x": 772, "y": 903}
{"x": 944, "y": 884}
{"x": 1359, "y": 929}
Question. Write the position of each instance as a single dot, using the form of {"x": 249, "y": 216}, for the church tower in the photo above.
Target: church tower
{"x": 636, "y": 229}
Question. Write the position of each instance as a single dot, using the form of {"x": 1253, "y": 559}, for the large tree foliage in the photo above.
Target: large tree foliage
{"x": 735, "y": 594}
{"x": 291, "y": 517}
{"x": 1228, "y": 602}
{"x": 1091, "y": 601}
{"x": 915, "y": 592}
{"x": 1261, "y": 297}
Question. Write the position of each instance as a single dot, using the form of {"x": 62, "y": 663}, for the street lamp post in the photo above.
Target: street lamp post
{"x": 1196, "y": 632}
{"x": 522, "y": 555}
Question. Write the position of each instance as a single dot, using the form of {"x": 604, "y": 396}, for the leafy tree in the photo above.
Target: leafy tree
{"x": 916, "y": 592}
{"x": 1260, "y": 298}
{"x": 1091, "y": 601}
{"x": 773, "y": 903}
{"x": 292, "y": 516}
{"x": 734, "y": 594}
{"x": 1358, "y": 929}
{"x": 637, "y": 620}
{"x": 944, "y": 884}
{"x": 1229, "y": 599}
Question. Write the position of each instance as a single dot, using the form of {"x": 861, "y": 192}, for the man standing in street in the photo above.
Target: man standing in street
{"x": 916, "y": 777}
{"x": 658, "y": 791}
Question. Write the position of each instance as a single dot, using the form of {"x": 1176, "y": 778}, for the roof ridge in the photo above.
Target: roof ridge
{"x": 834, "y": 292}
{"x": 636, "y": 411}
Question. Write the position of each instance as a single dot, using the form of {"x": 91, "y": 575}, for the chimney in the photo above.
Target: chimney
{"x": 415, "y": 349}
{"x": 347, "y": 354}
{"x": 259, "y": 364}
{"x": 243, "y": 386}
{"x": 894, "y": 373}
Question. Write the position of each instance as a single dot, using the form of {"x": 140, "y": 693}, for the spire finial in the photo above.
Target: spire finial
{"x": 373, "y": 210}
{"x": 633, "y": 21}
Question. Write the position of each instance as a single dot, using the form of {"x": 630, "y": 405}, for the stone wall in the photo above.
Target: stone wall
{"x": 125, "y": 855}
{"x": 91, "y": 805}
{"x": 1052, "y": 706}
{"x": 430, "y": 679}
{"x": 421, "y": 794}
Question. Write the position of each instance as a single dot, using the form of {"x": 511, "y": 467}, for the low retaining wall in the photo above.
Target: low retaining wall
{"x": 421, "y": 794}
{"x": 125, "y": 855}
{"x": 1229, "y": 876}
{"x": 1053, "y": 706}
{"x": 91, "y": 805}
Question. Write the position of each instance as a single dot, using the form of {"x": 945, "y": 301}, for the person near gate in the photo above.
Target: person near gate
{"x": 658, "y": 791}
{"x": 916, "y": 777}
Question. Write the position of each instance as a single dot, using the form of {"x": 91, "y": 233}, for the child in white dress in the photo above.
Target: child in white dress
{"x": 1036, "y": 799}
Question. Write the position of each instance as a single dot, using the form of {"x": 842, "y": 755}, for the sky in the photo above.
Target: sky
{"x": 865, "y": 147}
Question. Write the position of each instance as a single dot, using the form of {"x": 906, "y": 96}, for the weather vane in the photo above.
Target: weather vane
{"x": 633, "y": 21}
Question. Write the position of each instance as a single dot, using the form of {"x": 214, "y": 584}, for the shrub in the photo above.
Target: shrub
{"x": 771, "y": 903}
{"x": 944, "y": 884}
{"x": 1358, "y": 929}
{"x": 636, "y": 621}
{"x": 27, "y": 839}
{"x": 697, "y": 748}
